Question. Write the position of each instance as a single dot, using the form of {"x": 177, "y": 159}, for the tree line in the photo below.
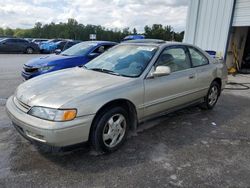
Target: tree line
{"x": 74, "y": 30}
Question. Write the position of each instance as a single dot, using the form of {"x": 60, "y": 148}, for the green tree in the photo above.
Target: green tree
{"x": 1, "y": 31}
{"x": 158, "y": 31}
{"x": 37, "y": 30}
{"x": 74, "y": 30}
{"x": 134, "y": 31}
{"x": 8, "y": 32}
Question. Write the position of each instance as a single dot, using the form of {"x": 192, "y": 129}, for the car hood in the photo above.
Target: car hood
{"x": 56, "y": 89}
{"x": 49, "y": 60}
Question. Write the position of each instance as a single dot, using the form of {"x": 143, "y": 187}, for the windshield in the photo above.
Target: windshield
{"x": 48, "y": 41}
{"x": 79, "y": 49}
{"x": 125, "y": 60}
{"x": 52, "y": 40}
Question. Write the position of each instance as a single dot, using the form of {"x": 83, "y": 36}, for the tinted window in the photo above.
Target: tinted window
{"x": 69, "y": 44}
{"x": 11, "y": 40}
{"x": 198, "y": 59}
{"x": 21, "y": 41}
{"x": 175, "y": 58}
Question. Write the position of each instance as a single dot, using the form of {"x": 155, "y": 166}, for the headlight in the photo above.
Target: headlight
{"x": 47, "y": 68}
{"x": 53, "y": 114}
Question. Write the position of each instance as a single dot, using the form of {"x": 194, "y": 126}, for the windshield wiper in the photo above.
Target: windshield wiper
{"x": 84, "y": 67}
{"x": 64, "y": 55}
{"x": 105, "y": 71}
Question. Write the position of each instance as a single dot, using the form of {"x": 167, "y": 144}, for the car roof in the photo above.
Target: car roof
{"x": 100, "y": 42}
{"x": 15, "y": 38}
{"x": 156, "y": 42}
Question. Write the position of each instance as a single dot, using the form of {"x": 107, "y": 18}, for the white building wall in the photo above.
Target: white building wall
{"x": 208, "y": 24}
{"x": 242, "y": 13}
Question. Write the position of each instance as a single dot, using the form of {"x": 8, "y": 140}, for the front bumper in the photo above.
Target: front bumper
{"x": 27, "y": 75}
{"x": 52, "y": 133}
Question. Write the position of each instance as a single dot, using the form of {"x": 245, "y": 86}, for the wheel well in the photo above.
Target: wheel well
{"x": 218, "y": 80}
{"x": 124, "y": 103}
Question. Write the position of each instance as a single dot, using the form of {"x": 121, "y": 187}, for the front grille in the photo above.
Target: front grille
{"x": 22, "y": 106}
{"x": 30, "y": 69}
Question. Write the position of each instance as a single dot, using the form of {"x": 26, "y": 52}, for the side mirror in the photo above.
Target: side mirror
{"x": 161, "y": 71}
{"x": 58, "y": 51}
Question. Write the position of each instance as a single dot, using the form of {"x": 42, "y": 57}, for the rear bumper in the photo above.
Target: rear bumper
{"x": 52, "y": 133}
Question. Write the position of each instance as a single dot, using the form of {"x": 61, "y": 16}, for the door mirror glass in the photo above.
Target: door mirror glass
{"x": 161, "y": 71}
{"x": 58, "y": 51}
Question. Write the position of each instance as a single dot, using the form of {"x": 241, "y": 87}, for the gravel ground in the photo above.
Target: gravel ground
{"x": 188, "y": 148}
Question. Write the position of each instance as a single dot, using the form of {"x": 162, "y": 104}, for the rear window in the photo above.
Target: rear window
{"x": 198, "y": 59}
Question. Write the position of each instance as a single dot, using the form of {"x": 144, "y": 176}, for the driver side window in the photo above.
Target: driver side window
{"x": 102, "y": 49}
{"x": 175, "y": 58}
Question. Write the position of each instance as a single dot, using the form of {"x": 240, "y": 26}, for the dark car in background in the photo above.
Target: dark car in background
{"x": 64, "y": 45}
{"x": 18, "y": 45}
{"x": 29, "y": 39}
{"x": 38, "y": 41}
{"x": 77, "y": 55}
{"x": 57, "y": 46}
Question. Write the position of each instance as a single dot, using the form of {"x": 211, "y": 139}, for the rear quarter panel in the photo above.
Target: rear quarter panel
{"x": 221, "y": 71}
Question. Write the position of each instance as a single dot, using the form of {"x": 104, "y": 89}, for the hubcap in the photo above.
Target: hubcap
{"x": 213, "y": 95}
{"x": 114, "y": 130}
{"x": 29, "y": 50}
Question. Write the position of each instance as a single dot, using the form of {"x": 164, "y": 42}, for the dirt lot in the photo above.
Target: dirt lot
{"x": 189, "y": 148}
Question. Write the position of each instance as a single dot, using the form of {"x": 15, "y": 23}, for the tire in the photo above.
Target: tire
{"x": 107, "y": 134}
{"x": 212, "y": 96}
{"x": 29, "y": 50}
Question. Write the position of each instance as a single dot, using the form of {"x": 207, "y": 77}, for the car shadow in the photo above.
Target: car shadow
{"x": 153, "y": 139}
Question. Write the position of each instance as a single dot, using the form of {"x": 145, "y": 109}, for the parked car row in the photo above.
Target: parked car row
{"x": 40, "y": 45}
{"x": 57, "y": 45}
{"x": 77, "y": 55}
{"x": 18, "y": 46}
{"x": 100, "y": 101}
{"x": 29, "y": 46}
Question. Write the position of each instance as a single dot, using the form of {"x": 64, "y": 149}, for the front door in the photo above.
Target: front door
{"x": 13, "y": 45}
{"x": 177, "y": 88}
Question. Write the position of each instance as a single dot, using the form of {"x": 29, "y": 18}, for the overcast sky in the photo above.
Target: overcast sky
{"x": 108, "y": 13}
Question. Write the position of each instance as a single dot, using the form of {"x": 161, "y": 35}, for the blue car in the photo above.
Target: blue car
{"x": 77, "y": 55}
{"x": 47, "y": 46}
{"x": 133, "y": 37}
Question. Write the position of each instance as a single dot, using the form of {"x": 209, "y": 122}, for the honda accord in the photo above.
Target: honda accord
{"x": 112, "y": 94}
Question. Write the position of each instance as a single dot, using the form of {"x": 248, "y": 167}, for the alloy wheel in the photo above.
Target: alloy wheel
{"x": 29, "y": 50}
{"x": 213, "y": 95}
{"x": 114, "y": 130}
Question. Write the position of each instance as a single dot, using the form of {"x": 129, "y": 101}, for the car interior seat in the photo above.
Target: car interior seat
{"x": 167, "y": 60}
